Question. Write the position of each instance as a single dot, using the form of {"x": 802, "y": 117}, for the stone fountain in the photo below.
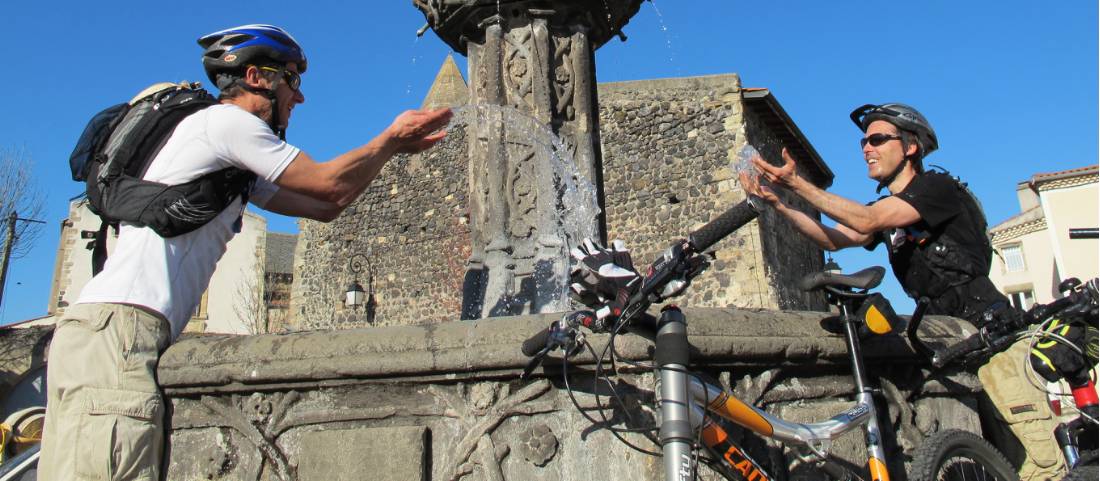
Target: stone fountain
{"x": 426, "y": 398}
{"x": 538, "y": 58}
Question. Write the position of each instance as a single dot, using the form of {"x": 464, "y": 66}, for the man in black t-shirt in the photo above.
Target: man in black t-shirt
{"x": 934, "y": 230}
{"x": 945, "y": 256}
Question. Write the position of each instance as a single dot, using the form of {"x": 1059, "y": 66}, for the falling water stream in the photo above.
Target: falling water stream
{"x": 575, "y": 206}
{"x": 668, "y": 36}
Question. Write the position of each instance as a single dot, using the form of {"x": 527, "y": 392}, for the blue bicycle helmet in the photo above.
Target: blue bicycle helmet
{"x": 228, "y": 52}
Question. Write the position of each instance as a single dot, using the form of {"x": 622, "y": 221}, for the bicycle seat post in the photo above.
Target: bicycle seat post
{"x": 672, "y": 359}
{"x": 876, "y": 452}
{"x": 851, "y": 338}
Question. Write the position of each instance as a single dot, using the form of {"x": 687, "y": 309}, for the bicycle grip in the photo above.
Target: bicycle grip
{"x": 730, "y": 220}
{"x": 967, "y": 345}
{"x": 535, "y": 343}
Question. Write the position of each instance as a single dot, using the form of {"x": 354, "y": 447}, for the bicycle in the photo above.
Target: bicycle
{"x": 686, "y": 398}
{"x": 1079, "y": 302}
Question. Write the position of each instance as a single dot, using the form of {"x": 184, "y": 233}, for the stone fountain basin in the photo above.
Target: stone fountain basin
{"x": 491, "y": 348}
{"x": 444, "y": 402}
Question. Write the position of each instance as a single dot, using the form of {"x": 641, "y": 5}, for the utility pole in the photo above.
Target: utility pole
{"x": 9, "y": 242}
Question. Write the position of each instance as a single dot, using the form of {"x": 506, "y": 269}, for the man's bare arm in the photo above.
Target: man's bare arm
{"x": 341, "y": 180}
{"x": 827, "y": 238}
{"x": 288, "y": 202}
{"x": 884, "y": 214}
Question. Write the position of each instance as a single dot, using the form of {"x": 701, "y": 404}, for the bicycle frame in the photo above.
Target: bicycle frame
{"x": 685, "y": 399}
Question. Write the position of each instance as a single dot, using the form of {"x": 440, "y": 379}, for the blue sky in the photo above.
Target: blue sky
{"x": 1010, "y": 86}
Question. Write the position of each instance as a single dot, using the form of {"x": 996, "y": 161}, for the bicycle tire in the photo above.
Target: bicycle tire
{"x": 956, "y": 455}
{"x": 1086, "y": 469}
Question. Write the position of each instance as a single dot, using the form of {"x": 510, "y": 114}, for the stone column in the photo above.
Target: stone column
{"x": 530, "y": 60}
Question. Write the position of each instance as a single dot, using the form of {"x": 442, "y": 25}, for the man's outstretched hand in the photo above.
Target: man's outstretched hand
{"x": 780, "y": 176}
{"x": 751, "y": 184}
{"x": 783, "y": 176}
{"x": 415, "y": 130}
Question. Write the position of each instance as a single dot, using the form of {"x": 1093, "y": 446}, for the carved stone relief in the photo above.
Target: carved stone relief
{"x": 478, "y": 417}
{"x": 518, "y": 78}
{"x": 564, "y": 78}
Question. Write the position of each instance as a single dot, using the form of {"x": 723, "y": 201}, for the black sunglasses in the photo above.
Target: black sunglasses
{"x": 293, "y": 79}
{"x": 877, "y": 139}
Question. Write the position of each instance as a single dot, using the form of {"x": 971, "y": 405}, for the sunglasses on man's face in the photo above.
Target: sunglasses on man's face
{"x": 877, "y": 139}
{"x": 293, "y": 79}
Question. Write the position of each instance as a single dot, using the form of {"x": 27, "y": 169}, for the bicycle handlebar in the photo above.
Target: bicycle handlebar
{"x": 983, "y": 342}
{"x": 730, "y": 220}
{"x": 536, "y": 343}
{"x": 1043, "y": 311}
{"x": 977, "y": 342}
{"x": 1083, "y": 233}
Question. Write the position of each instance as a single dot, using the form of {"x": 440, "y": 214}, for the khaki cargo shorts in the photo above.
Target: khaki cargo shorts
{"x": 1024, "y": 410}
{"x": 104, "y": 413}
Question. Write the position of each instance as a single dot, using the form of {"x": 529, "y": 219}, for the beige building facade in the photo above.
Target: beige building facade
{"x": 1034, "y": 249}
{"x": 232, "y": 304}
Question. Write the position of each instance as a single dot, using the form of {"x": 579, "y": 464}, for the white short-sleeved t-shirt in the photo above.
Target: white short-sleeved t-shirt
{"x": 170, "y": 275}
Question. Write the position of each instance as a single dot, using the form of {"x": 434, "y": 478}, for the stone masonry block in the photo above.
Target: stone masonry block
{"x": 378, "y": 454}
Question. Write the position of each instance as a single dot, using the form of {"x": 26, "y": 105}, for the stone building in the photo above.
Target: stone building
{"x": 667, "y": 150}
{"x": 278, "y": 276}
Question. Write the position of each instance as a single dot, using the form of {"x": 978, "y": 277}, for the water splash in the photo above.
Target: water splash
{"x": 575, "y": 208}
{"x": 415, "y": 58}
{"x": 668, "y": 36}
{"x": 743, "y": 162}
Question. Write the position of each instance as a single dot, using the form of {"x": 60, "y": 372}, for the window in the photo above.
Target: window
{"x": 1022, "y": 299}
{"x": 1014, "y": 258}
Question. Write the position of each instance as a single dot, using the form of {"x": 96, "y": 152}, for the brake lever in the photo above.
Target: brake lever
{"x": 535, "y": 361}
{"x": 562, "y": 335}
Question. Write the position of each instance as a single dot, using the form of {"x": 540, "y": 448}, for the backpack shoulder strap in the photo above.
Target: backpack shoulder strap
{"x": 99, "y": 249}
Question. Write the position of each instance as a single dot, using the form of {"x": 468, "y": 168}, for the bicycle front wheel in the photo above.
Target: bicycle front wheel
{"x": 956, "y": 455}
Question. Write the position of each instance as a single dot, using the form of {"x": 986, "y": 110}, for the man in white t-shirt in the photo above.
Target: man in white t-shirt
{"x": 104, "y": 412}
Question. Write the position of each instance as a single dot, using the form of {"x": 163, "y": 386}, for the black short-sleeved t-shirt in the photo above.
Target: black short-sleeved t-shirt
{"x": 943, "y": 208}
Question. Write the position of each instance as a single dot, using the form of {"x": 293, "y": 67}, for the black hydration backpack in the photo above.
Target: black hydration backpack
{"x": 115, "y": 151}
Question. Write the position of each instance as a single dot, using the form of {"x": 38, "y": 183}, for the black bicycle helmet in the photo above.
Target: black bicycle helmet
{"x": 901, "y": 116}
{"x": 228, "y": 52}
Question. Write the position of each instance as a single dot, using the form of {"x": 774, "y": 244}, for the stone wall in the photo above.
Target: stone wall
{"x": 666, "y": 152}
{"x": 787, "y": 254}
{"x": 411, "y": 225}
{"x": 667, "y": 147}
{"x": 444, "y": 402}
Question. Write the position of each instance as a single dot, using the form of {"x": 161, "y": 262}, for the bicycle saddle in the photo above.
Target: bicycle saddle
{"x": 866, "y": 279}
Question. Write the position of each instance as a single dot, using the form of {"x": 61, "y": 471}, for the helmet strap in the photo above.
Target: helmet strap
{"x": 274, "y": 100}
{"x": 893, "y": 175}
